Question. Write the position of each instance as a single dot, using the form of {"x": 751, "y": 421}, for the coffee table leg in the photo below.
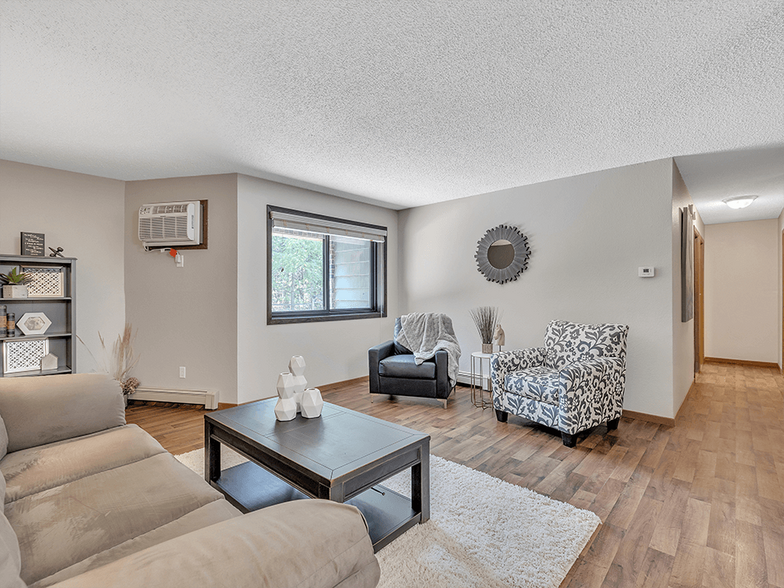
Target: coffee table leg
{"x": 212, "y": 460}
{"x": 420, "y": 483}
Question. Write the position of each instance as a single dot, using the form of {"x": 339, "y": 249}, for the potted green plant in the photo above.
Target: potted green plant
{"x": 14, "y": 283}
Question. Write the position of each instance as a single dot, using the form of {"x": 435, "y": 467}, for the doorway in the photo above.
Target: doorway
{"x": 699, "y": 301}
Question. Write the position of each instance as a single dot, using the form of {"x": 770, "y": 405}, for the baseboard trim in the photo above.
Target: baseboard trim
{"x": 207, "y": 398}
{"x": 686, "y": 398}
{"x": 650, "y": 418}
{"x": 323, "y": 388}
{"x": 748, "y": 363}
{"x": 334, "y": 385}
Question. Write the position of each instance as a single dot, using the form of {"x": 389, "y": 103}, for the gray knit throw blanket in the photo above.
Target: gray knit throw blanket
{"x": 424, "y": 333}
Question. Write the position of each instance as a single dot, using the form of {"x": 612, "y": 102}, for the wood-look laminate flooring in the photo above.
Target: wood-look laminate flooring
{"x": 698, "y": 504}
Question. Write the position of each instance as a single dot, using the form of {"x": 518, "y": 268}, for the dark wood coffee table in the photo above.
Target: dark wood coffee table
{"x": 342, "y": 456}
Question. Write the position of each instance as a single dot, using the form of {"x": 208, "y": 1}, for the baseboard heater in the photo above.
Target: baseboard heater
{"x": 208, "y": 399}
{"x": 465, "y": 378}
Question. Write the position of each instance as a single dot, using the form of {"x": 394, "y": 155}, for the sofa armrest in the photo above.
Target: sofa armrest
{"x": 591, "y": 393}
{"x": 442, "y": 374}
{"x": 313, "y": 543}
{"x": 375, "y": 355}
{"x": 506, "y": 362}
{"x": 44, "y": 409}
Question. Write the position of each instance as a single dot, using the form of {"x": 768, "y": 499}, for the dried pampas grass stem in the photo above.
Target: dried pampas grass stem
{"x": 122, "y": 358}
{"x": 485, "y": 318}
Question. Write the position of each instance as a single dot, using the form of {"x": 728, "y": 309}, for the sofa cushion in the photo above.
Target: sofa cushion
{"x": 46, "y": 409}
{"x": 398, "y": 347}
{"x": 537, "y": 383}
{"x": 36, "y": 469}
{"x": 573, "y": 342}
{"x": 276, "y": 546}
{"x": 10, "y": 558}
{"x": 404, "y": 366}
{"x": 209, "y": 514}
{"x": 3, "y": 439}
{"x": 62, "y": 526}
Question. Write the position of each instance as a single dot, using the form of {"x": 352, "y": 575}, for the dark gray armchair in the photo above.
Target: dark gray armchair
{"x": 393, "y": 371}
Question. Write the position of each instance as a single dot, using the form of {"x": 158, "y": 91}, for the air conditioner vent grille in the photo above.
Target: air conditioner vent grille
{"x": 170, "y": 223}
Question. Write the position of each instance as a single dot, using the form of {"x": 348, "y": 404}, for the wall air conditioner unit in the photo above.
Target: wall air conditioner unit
{"x": 169, "y": 224}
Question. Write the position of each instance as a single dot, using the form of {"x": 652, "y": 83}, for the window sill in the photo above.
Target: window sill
{"x": 316, "y": 318}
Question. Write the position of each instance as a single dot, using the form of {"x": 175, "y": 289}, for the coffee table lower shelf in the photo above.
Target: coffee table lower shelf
{"x": 250, "y": 487}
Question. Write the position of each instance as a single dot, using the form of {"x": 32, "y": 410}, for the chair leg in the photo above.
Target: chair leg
{"x": 501, "y": 415}
{"x": 569, "y": 440}
{"x": 613, "y": 424}
{"x": 444, "y": 401}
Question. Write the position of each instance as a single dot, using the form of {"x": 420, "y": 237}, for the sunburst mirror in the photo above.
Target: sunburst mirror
{"x": 502, "y": 254}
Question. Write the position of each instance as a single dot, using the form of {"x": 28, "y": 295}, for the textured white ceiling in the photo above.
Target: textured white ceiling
{"x": 404, "y": 103}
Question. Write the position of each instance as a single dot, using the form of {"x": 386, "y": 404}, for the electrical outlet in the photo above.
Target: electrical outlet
{"x": 182, "y": 371}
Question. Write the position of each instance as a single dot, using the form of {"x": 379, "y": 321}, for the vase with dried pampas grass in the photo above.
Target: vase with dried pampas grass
{"x": 485, "y": 319}
{"x": 122, "y": 359}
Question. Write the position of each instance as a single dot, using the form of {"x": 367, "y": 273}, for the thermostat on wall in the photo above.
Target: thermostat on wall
{"x": 645, "y": 272}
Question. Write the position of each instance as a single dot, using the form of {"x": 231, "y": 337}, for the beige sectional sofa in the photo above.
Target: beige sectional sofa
{"x": 92, "y": 502}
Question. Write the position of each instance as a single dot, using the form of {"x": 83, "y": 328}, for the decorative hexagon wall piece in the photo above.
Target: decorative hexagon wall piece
{"x": 34, "y": 323}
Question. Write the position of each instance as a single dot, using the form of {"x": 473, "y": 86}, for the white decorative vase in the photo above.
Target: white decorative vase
{"x": 297, "y": 365}
{"x": 14, "y": 291}
{"x": 312, "y": 403}
{"x": 285, "y": 386}
{"x": 285, "y": 409}
{"x": 297, "y": 369}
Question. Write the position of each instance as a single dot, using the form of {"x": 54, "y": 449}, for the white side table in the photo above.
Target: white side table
{"x": 477, "y": 361}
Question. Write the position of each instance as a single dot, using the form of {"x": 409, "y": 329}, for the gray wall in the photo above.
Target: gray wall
{"x": 83, "y": 215}
{"x": 334, "y": 351}
{"x": 185, "y": 316}
{"x": 588, "y": 235}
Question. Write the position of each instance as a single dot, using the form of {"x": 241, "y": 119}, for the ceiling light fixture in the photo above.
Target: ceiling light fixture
{"x": 739, "y": 201}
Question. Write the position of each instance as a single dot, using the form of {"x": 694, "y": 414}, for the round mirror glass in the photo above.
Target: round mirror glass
{"x": 501, "y": 254}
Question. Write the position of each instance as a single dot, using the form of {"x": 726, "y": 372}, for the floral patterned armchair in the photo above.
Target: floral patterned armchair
{"x": 575, "y": 382}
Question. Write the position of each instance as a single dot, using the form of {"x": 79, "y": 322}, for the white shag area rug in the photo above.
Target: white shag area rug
{"x": 482, "y": 532}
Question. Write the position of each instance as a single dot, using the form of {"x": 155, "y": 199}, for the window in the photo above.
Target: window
{"x": 321, "y": 268}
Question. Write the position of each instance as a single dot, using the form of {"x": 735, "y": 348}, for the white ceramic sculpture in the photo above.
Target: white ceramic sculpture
{"x": 49, "y": 362}
{"x": 285, "y": 409}
{"x": 297, "y": 369}
{"x": 312, "y": 403}
{"x": 285, "y": 385}
{"x": 499, "y": 336}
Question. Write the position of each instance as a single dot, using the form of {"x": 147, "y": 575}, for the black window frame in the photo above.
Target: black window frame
{"x": 378, "y": 285}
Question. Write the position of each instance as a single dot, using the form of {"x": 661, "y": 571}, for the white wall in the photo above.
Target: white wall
{"x": 185, "y": 316}
{"x": 588, "y": 235}
{"x": 682, "y": 332}
{"x": 83, "y": 215}
{"x": 780, "y": 298}
{"x": 333, "y": 350}
{"x": 742, "y": 291}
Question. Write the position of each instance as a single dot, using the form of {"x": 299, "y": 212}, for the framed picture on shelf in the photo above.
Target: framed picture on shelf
{"x": 33, "y": 323}
{"x": 24, "y": 356}
{"x": 33, "y": 244}
{"x": 45, "y": 282}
